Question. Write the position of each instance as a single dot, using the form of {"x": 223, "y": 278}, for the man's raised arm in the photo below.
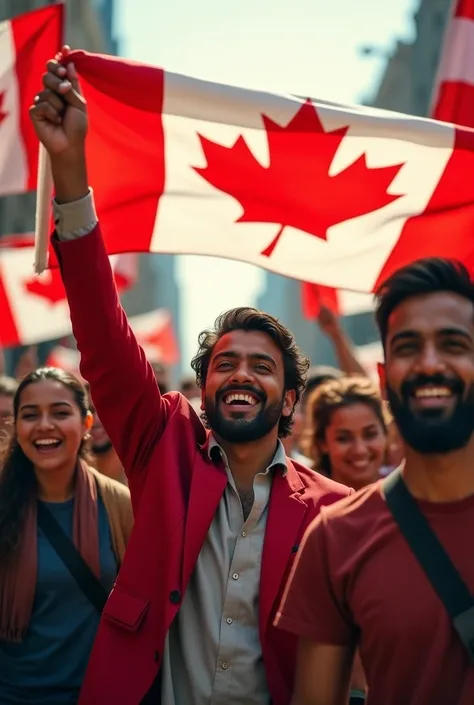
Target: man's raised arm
{"x": 122, "y": 383}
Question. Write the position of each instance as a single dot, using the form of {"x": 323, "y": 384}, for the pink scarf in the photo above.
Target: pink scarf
{"x": 18, "y": 582}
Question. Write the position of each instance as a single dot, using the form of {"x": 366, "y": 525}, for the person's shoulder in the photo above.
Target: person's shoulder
{"x": 319, "y": 486}
{"x": 345, "y": 525}
{"x": 358, "y": 508}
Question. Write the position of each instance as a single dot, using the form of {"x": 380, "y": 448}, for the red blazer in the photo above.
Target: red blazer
{"x": 175, "y": 491}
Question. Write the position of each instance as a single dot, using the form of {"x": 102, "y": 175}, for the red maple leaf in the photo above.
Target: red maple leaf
{"x": 2, "y": 114}
{"x": 296, "y": 189}
{"x": 49, "y": 286}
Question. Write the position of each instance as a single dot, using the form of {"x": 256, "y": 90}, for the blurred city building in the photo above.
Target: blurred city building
{"x": 90, "y": 26}
{"x": 407, "y": 83}
{"x": 405, "y": 86}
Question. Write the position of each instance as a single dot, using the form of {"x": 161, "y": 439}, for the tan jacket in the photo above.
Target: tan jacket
{"x": 116, "y": 499}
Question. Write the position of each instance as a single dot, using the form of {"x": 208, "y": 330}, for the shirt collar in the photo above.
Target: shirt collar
{"x": 279, "y": 459}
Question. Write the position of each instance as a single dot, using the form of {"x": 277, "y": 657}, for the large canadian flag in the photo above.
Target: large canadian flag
{"x": 33, "y": 309}
{"x": 26, "y": 44}
{"x": 316, "y": 191}
{"x": 454, "y": 93}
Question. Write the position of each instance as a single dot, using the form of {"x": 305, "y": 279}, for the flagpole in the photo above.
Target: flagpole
{"x": 44, "y": 193}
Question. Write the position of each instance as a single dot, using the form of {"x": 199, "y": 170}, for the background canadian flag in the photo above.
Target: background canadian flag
{"x": 34, "y": 308}
{"x": 341, "y": 302}
{"x": 153, "y": 330}
{"x": 454, "y": 97}
{"x": 26, "y": 43}
{"x": 316, "y": 191}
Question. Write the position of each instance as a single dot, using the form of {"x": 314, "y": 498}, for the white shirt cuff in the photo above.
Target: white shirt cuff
{"x": 73, "y": 220}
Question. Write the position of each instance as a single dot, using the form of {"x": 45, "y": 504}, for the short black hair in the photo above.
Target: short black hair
{"x": 295, "y": 362}
{"x": 424, "y": 276}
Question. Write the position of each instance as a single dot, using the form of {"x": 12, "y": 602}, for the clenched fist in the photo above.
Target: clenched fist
{"x": 59, "y": 115}
{"x": 59, "y": 112}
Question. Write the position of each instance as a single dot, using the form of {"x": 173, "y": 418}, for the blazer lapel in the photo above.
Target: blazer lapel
{"x": 286, "y": 514}
{"x": 208, "y": 483}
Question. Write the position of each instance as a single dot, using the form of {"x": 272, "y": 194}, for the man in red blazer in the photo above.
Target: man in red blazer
{"x": 219, "y": 514}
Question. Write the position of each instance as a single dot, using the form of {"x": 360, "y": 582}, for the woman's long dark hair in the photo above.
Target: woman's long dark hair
{"x": 18, "y": 486}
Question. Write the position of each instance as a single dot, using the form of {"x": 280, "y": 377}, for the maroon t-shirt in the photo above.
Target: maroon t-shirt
{"x": 356, "y": 579}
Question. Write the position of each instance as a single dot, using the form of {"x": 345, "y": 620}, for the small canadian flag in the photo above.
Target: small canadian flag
{"x": 454, "y": 95}
{"x": 154, "y": 331}
{"x": 26, "y": 44}
{"x": 33, "y": 308}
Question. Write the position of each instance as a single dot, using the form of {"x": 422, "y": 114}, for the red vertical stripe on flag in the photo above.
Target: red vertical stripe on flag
{"x": 8, "y": 330}
{"x": 465, "y": 8}
{"x": 441, "y": 229}
{"x": 314, "y": 296}
{"x": 456, "y": 103}
{"x": 37, "y": 36}
{"x": 125, "y": 146}
{"x": 454, "y": 89}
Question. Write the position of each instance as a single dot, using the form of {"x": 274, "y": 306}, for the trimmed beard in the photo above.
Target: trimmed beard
{"x": 239, "y": 429}
{"x": 431, "y": 431}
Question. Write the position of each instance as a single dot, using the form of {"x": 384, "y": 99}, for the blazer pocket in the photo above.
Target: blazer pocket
{"x": 125, "y": 610}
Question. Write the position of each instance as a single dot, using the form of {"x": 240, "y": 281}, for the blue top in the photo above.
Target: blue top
{"x": 48, "y": 666}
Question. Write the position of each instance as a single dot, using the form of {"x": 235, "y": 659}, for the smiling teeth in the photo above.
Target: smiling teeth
{"x": 240, "y": 397}
{"x": 432, "y": 392}
{"x": 47, "y": 441}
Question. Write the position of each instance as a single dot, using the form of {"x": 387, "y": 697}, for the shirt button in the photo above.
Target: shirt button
{"x": 224, "y": 665}
{"x": 235, "y": 576}
{"x": 244, "y": 534}
{"x": 229, "y": 620}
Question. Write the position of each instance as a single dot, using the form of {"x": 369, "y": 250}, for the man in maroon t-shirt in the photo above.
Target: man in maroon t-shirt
{"x": 356, "y": 583}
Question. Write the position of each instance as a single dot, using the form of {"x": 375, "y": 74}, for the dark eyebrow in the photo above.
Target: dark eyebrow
{"x": 35, "y": 406}
{"x": 413, "y": 335}
{"x": 253, "y": 356}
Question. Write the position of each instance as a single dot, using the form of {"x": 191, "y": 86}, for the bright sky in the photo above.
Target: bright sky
{"x": 306, "y": 47}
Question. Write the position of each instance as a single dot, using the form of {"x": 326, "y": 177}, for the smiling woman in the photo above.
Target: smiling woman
{"x": 47, "y": 622}
{"x": 347, "y": 431}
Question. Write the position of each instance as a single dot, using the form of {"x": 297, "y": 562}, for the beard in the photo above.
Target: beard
{"x": 101, "y": 448}
{"x": 239, "y": 429}
{"x": 433, "y": 431}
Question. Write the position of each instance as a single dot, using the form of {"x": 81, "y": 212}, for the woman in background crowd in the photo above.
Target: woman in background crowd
{"x": 347, "y": 440}
{"x": 346, "y": 432}
{"x": 47, "y": 622}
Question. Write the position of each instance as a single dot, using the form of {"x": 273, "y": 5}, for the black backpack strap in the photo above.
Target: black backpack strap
{"x": 72, "y": 559}
{"x": 439, "y": 569}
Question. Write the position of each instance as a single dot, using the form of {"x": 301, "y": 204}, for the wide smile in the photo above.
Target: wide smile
{"x": 432, "y": 397}
{"x": 361, "y": 465}
{"x": 47, "y": 446}
{"x": 241, "y": 402}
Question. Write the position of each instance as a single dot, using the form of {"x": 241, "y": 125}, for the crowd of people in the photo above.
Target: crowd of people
{"x": 234, "y": 540}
